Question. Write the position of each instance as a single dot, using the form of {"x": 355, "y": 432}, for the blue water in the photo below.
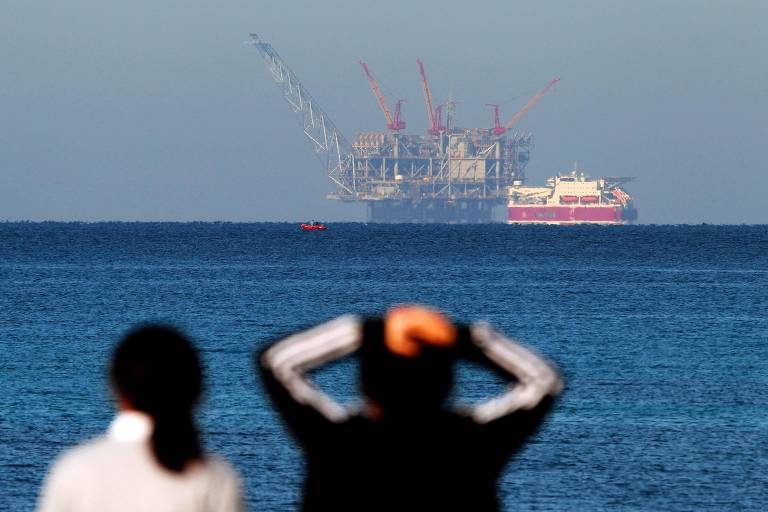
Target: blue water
{"x": 662, "y": 333}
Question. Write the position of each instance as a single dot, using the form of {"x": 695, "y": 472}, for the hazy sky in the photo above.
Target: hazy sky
{"x": 156, "y": 110}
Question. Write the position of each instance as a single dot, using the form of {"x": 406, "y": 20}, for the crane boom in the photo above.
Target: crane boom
{"x": 379, "y": 96}
{"x": 433, "y": 125}
{"x": 531, "y": 103}
{"x": 327, "y": 140}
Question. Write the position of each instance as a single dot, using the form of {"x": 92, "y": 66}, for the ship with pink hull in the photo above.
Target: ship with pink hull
{"x": 573, "y": 198}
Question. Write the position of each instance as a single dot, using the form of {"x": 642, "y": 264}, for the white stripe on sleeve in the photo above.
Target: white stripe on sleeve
{"x": 536, "y": 378}
{"x": 290, "y": 358}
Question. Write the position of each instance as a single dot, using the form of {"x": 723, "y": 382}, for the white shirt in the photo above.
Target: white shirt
{"x": 118, "y": 472}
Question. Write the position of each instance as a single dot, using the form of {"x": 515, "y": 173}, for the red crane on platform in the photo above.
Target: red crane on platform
{"x": 434, "y": 115}
{"x": 396, "y": 123}
{"x": 501, "y": 130}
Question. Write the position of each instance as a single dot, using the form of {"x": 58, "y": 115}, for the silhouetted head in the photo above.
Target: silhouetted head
{"x": 407, "y": 386}
{"x": 156, "y": 370}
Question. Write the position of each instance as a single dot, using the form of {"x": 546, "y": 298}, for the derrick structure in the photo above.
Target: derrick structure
{"x": 448, "y": 174}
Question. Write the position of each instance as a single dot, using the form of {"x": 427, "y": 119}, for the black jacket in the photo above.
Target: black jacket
{"x": 418, "y": 459}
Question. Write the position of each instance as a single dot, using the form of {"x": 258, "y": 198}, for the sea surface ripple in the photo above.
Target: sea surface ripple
{"x": 661, "y": 332}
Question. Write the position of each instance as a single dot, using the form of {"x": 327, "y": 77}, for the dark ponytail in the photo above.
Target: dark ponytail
{"x": 157, "y": 371}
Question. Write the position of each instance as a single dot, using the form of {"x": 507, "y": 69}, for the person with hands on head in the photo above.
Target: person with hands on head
{"x": 406, "y": 450}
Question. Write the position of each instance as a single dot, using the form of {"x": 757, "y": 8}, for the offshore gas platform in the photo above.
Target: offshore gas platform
{"x": 448, "y": 174}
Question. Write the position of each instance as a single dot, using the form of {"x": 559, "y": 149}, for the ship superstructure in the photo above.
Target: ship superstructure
{"x": 572, "y": 198}
{"x": 448, "y": 174}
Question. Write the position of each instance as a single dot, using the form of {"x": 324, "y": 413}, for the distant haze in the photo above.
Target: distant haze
{"x": 142, "y": 110}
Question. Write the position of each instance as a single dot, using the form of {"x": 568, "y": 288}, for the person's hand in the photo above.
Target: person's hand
{"x": 407, "y": 327}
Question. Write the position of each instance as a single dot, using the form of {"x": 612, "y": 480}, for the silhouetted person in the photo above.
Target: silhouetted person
{"x": 151, "y": 458}
{"x": 406, "y": 451}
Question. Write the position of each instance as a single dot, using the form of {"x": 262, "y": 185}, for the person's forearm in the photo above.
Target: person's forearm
{"x": 534, "y": 377}
{"x": 289, "y": 359}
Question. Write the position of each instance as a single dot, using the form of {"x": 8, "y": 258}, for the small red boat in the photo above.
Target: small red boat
{"x": 313, "y": 226}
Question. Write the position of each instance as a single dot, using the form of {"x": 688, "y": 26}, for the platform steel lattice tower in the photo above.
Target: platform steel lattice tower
{"x": 449, "y": 174}
{"x": 327, "y": 140}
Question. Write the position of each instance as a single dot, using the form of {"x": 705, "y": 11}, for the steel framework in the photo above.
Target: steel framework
{"x": 328, "y": 141}
{"x": 449, "y": 175}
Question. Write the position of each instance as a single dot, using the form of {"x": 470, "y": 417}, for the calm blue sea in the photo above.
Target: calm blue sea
{"x": 662, "y": 332}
